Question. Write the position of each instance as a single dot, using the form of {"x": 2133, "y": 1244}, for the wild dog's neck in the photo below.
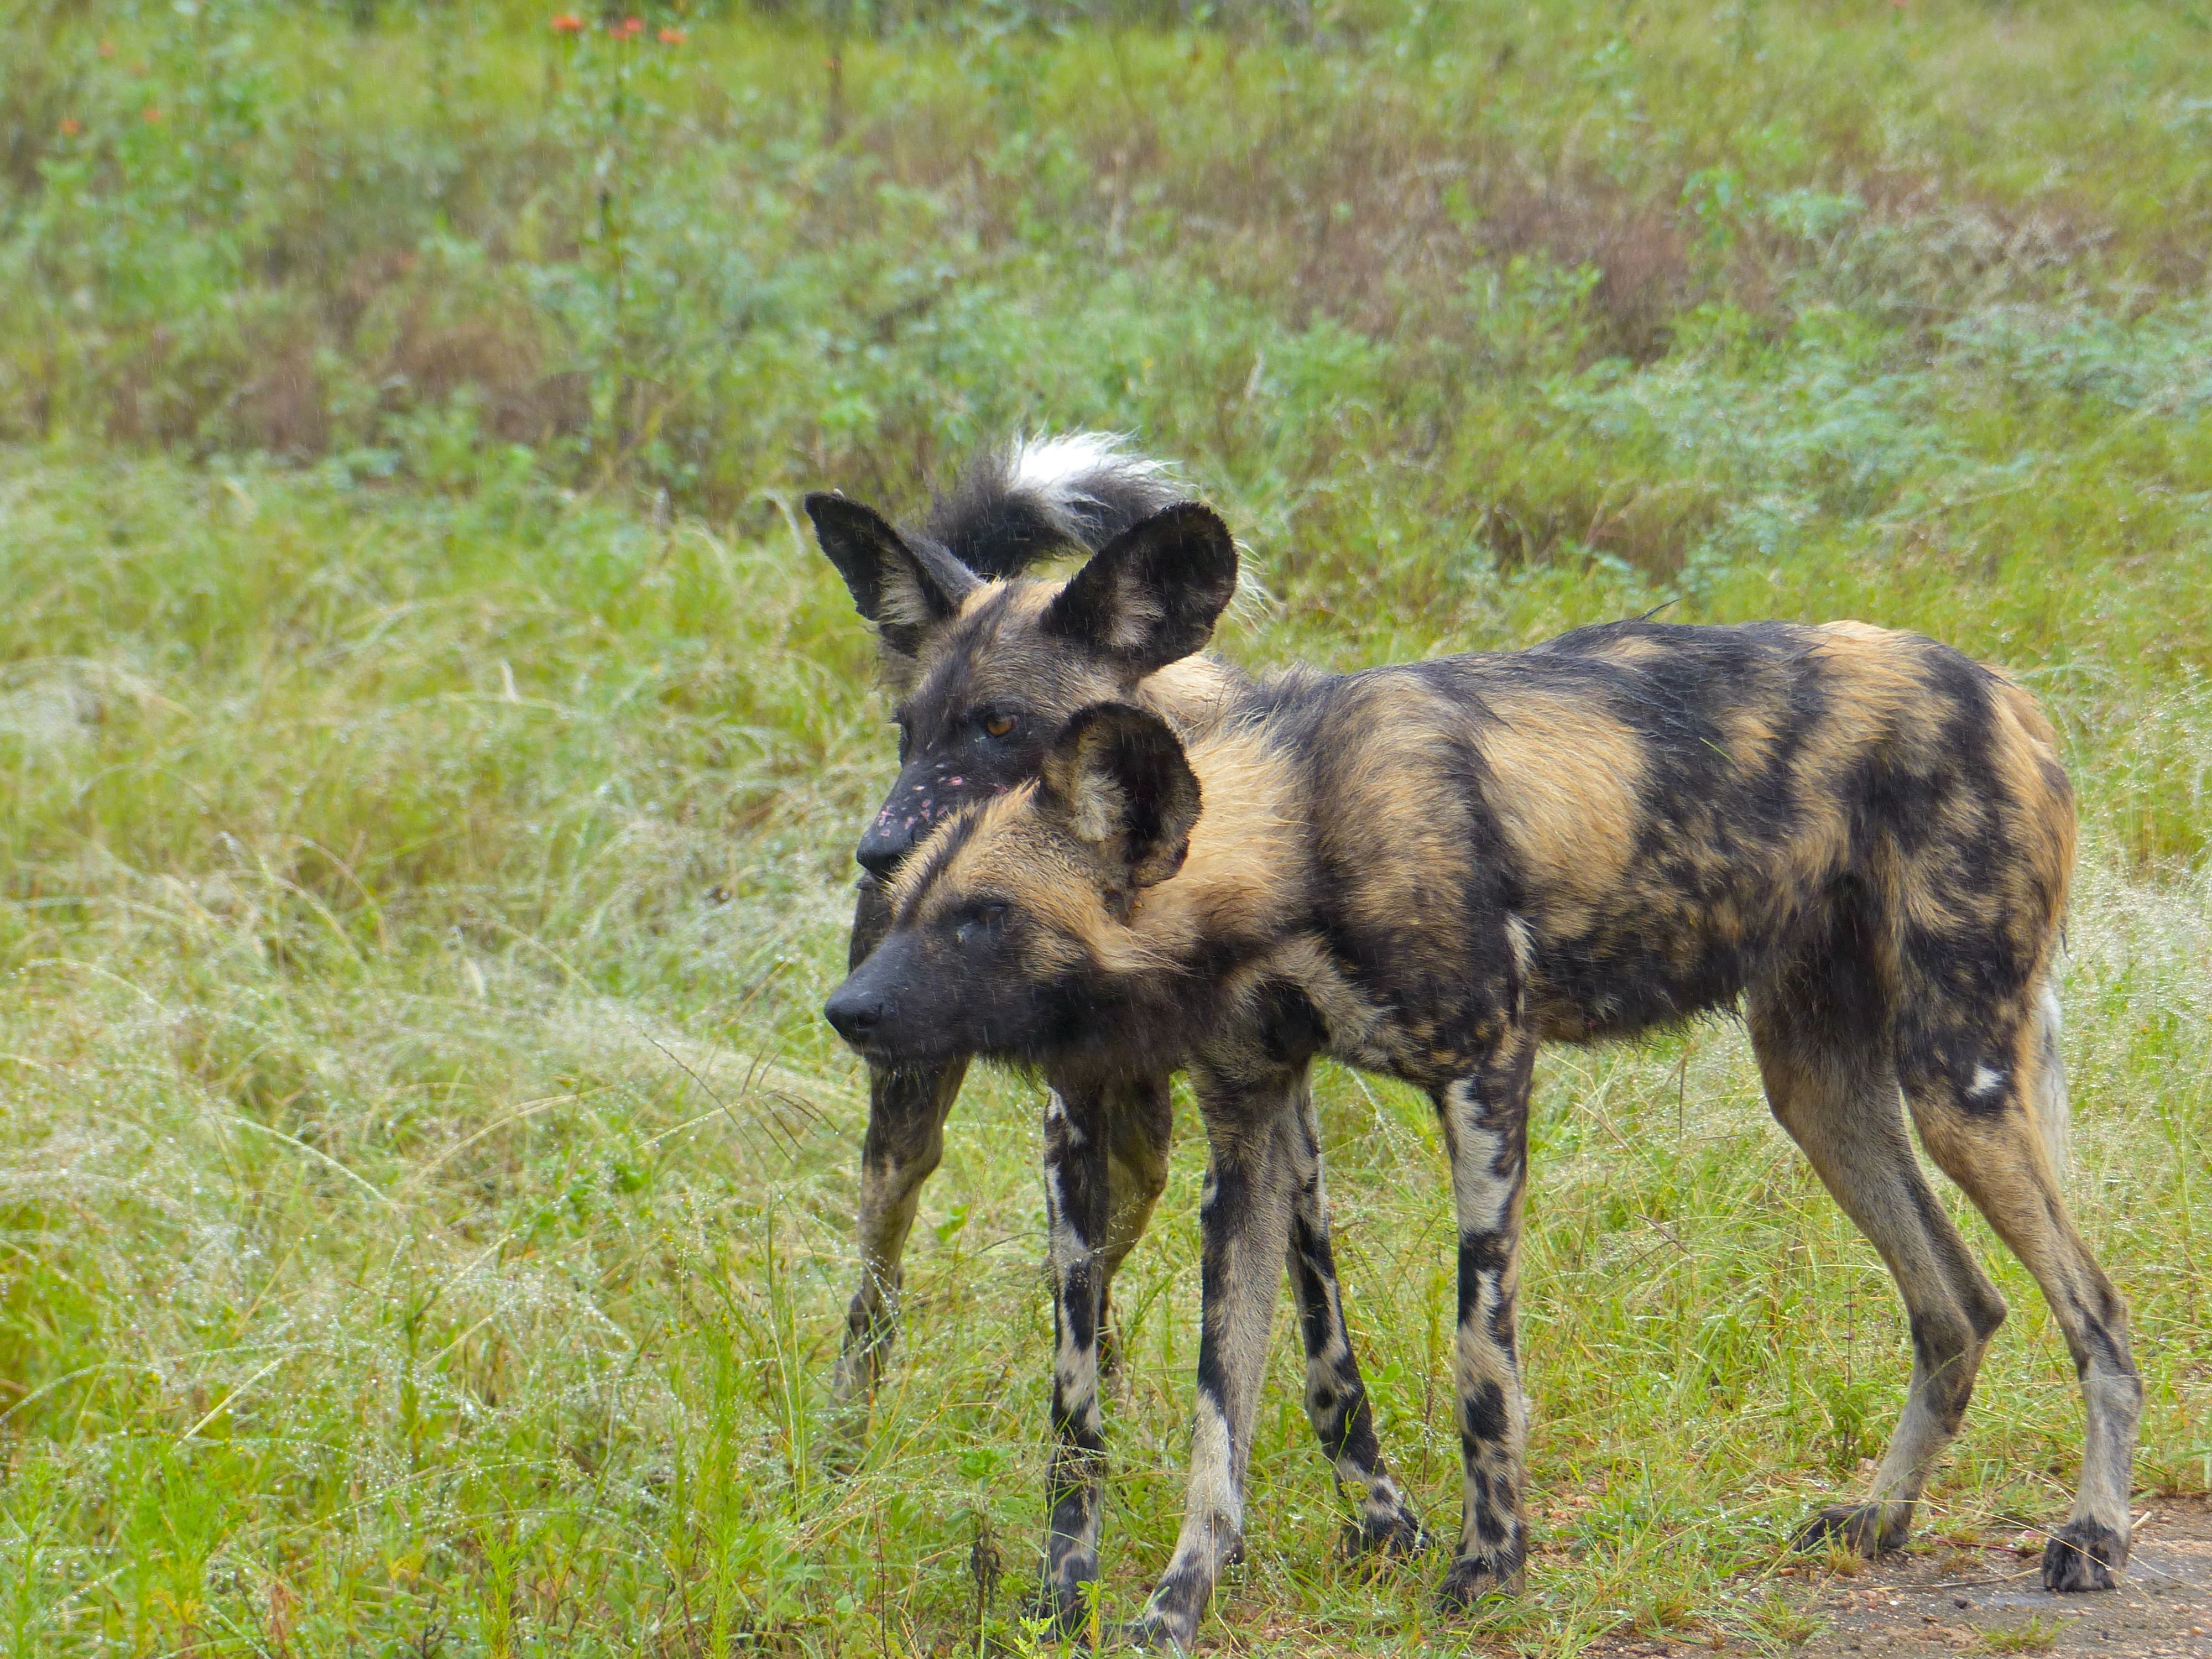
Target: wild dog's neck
{"x": 1194, "y": 694}
{"x": 1231, "y": 896}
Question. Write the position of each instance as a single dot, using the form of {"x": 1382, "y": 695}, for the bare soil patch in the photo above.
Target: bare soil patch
{"x": 1991, "y": 1599}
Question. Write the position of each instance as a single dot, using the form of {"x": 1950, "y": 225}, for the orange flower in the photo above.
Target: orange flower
{"x": 71, "y": 127}
{"x": 107, "y": 49}
{"x": 671, "y": 37}
{"x": 152, "y": 113}
{"x": 629, "y": 28}
{"x": 567, "y": 23}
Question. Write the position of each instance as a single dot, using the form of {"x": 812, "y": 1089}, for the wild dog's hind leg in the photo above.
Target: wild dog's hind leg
{"x": 904, "y": 1144}
{"x": 1979, "y": 1079}
{"x": 1820, "y": 1029}
{"x": 1485, "y": 1128}
{"x": 1244, "y": 1222}
{"x": 1336, "y": 1397}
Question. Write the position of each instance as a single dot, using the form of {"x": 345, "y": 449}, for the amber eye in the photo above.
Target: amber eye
{"x": 999, "y": 725}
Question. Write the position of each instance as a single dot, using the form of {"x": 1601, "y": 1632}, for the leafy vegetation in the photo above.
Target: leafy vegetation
{"x": 433, "y": 748}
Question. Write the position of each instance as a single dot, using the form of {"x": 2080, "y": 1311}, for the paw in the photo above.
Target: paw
{"x": 1860, "y": 1528}
{"x": 1385, "y": 1537}
{"x": 1472, "y": 1578}
{"x": 2082, "y": 1555}
{"x": 1155, "y": 1632}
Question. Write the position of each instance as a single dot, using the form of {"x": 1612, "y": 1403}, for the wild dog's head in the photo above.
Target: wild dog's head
{"x": 987, "y": 672}
{"x": 1010, "y": 935}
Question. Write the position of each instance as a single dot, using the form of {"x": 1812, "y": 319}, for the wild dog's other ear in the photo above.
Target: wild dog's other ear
{"x": 1117, "y": 777}
{"x": 903, "y": 590}
{"x": 1152, "y": 595}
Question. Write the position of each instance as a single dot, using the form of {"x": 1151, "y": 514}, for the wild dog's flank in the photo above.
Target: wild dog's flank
{"x": 1428, "y": 870}
{"x": 977, "y": 705}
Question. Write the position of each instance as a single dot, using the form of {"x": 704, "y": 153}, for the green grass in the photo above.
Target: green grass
{"x": 432, "y": 750}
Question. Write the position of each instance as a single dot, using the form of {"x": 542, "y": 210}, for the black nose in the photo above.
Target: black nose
{"x": 854, "y": 1017}
{"x": 881, "y": 851}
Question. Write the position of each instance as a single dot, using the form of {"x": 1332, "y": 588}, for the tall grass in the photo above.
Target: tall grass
{"x": 433, "y": 751}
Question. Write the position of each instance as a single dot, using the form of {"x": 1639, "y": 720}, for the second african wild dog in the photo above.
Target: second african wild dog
{"x": 974, "y": 722}
{"x": 1429, "y": 869}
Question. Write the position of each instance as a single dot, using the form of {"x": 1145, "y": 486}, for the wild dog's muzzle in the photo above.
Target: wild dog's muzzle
{"x": 924, "y": 797}
{"x": 913, "y": 806}
{"x": 876, "y": 1009}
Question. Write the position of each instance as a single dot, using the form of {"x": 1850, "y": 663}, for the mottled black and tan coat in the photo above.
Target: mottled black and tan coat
{"x": 981, "y": 691}
{"x": 1861, "y": 838}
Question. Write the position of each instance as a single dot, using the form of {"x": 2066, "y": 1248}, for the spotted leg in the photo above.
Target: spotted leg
{"x": 1485, "y": 1128}
{"x": 1254, "y": 1134}
{"x": 1336, "y": 1397}
{"x": 1079, "y": 1208}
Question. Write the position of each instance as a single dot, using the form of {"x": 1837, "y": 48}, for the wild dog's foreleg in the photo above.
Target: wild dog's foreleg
{"x": 1079, "y": 1211}
{"x": 904, "y": 1144}
{"x": 1106, "y": 1164}
{"x": 1819, "y": 1037}
{"x": 1336, "y": 1397}
{"x": 1978, "y": 1091}
{"x": 1244, "y": 1221}
{"x": 1486, "y": 1128}
{"x": 1140, "y": 1126}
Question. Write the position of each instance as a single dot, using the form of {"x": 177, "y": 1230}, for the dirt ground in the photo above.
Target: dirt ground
{"x": 1945, "y": 1598}
{"x": 1951, "y": 1599}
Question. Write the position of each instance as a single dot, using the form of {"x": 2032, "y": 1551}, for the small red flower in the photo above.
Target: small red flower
{"x": 107, "y": 49}
{"x": 671, "y": 37}
{"x": 567, "y": 23}
{"x": 152, "y": 114}
{"x": 630, "y": 27}
{"x": 71, "y": 127}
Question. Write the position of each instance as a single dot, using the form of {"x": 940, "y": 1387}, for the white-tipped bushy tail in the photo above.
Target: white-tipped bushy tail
{"x": 2054, "y": 1114}
{"x": 1037, "y": 496}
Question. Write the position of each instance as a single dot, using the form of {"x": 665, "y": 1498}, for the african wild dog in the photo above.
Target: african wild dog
{"x": 1428, "y": 870}
{"x": 974, "y": 722}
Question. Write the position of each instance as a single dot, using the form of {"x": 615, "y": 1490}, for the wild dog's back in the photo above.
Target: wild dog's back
{"x": 1666, "y": 809}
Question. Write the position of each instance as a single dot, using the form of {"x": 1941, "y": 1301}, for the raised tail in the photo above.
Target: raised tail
{"x": 1035, "y": 497}
{"x": 2054, "y": 1113}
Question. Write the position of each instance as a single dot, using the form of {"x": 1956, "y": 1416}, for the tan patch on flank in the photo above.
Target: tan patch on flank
{"x": 1874, "y": 684}
{"x": 1567, "y": 778}
{"x": 1747, "y": 733}
{"x": 1393, "y": 826}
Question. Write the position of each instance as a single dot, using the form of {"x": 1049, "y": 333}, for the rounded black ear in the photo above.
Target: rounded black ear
{"x": 905, "y": 591}
{"x": 1118, "y": 779}
{"x": 1152, "y": 595}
